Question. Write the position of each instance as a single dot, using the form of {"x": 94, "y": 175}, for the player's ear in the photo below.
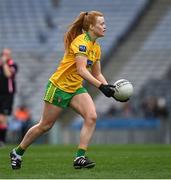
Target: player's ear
{"x": 91, "y": 27}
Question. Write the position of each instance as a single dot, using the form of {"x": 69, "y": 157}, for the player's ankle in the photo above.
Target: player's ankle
{"x": 80, "y": 152}
{"x": 19, "y": 150}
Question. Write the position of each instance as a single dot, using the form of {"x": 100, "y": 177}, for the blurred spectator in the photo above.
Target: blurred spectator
{"x": 23, "y": 116}
{"x": 123, "y": 110}
{"x": 19, "y": 123}
{"x": 163, "y": 114}
{"x": 155, "y": 107}
{"x": 162, "y": 111}
{"x": 127, "y": 110}
{"x": 149, "y": 107}
{"x": 8, "y": 71}
{"x": 14, "y": 130}
{"x": 111, "y": 112}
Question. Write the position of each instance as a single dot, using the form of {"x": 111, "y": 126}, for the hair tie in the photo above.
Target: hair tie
{"x": 86, "y": 13}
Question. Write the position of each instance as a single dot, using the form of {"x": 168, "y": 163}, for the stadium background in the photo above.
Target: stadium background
{"x": 137, "y": 47}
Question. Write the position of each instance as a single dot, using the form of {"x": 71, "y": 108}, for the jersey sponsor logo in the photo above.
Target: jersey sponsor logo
{"x": 89, "y": 63}
{"x": 82, "y": 48}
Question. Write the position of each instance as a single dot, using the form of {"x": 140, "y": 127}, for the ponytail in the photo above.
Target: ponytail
{"x": 80, "y": 24}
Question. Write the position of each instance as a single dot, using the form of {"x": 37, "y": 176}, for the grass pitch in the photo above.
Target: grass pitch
{"x": 112, "y": 161}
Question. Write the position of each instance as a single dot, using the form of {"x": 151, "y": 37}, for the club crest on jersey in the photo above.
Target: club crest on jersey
{"x": 89, "y": 62}
{"x": 59, "y": 99}
{"x": 82, "y": 48}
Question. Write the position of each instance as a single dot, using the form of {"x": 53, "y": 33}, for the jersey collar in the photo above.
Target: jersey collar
{"x": 89, "y": 37}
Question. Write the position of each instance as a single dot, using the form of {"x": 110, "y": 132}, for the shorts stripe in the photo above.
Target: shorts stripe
{"x": 50, "y": 93}
{"x": 47, "y": 93}
{"x": 51, "y": 99}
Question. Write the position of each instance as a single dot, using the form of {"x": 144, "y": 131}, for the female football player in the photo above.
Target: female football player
{"x": 82, "y": 54}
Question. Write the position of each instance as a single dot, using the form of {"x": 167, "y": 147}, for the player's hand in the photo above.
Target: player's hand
{"x": 107, "y": 89}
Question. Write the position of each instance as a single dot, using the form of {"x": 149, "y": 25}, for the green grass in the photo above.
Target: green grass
{"x": 112, "y": 161}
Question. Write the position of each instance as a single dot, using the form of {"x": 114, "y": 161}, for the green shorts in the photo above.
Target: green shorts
{"x": 58, "y": 97}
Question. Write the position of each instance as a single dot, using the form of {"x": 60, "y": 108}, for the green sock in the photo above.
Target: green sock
{"x": 80, "y": 152}
{"x": 19, "y": 150}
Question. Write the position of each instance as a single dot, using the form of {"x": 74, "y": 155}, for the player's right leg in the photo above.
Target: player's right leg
{"x": 49, "y": 116}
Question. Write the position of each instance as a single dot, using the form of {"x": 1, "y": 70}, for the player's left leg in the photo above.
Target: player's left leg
{"x": 48, "y": 118}
{"x": 84, "y": 105}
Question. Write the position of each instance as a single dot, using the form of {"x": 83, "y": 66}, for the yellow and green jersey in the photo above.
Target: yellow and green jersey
{"x": 66, "y": 77}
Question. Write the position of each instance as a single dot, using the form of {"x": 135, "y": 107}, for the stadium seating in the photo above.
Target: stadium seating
{"x": 25, "y": 21}
{"x": 36, "y": 45}
{"x": 149, "y": 70}
{"x": 162, "y": 88}
{"x": 150, "y": 62}
{"x": 21, "y": 22}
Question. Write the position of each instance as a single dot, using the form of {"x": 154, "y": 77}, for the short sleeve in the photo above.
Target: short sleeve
{"x": 79, "y": 47}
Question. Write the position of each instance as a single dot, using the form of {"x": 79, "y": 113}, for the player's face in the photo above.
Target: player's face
{"x": 100, "y": 27}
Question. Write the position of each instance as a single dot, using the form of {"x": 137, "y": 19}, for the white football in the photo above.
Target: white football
{"x": 123, "y": 90}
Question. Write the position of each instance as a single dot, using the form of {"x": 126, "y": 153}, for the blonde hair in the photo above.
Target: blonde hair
{"x": 80, "y": 24}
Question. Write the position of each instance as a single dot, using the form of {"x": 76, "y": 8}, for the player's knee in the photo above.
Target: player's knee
{"x": 91, "y": 118}
{"x": 45, "y": 126}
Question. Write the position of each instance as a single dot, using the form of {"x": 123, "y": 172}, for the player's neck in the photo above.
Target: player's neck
{"x": 92, "y": 36}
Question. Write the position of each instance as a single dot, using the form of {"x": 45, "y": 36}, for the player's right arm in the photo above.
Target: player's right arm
{"x": 81, "y": 63}
{"x": 80, "y": 50}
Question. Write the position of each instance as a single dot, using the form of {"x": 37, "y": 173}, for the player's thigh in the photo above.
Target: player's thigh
{"x": 50, "y": 114}
{"x": 84, "y": 105}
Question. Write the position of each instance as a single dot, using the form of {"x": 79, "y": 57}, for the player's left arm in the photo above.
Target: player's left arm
{"x": 96, "y": 72}
{"x": 105, "y": 88}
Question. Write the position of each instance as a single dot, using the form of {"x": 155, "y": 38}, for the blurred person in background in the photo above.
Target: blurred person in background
{"x": 20, "y": 122}
{"x": 23, "y": 115}
{"x": 149, "y": 107}
{"x": 124, "y": 110}
{"x": 113, "y": 111}
{"x": 8, "y": 70}
{"x": 162, "y": 113}
{"x": 81, "y": 61}
{"x": 127, "y": 110}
